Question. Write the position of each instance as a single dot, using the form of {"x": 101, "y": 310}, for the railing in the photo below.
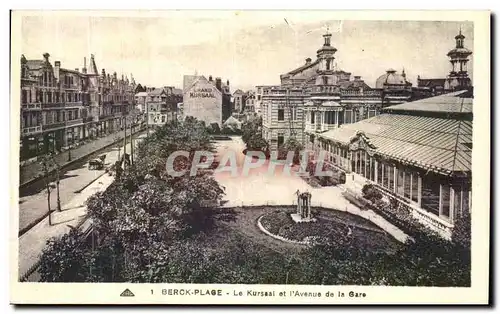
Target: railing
{"x": 375, "y": 93}
{"x": 54, "y": 125}
{"x": 74, "y": 122}
{"x": 32, "y": 130}
{"x": 74, "y": 103}
{"x": 32, "y": 106}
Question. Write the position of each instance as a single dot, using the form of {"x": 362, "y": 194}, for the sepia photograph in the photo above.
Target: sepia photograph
{"x": 250, "y": 156}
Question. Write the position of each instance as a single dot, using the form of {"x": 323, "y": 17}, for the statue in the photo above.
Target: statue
{"x": 303, "y": 213}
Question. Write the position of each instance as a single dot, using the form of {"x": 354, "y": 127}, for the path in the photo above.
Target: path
{"x": 261, "y": 187}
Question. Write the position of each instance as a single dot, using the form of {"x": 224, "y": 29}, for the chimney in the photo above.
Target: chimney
{"x": 308, "y": 61}
{"x": 57, "y": 68}
{"x": 218, "y": 83}
{"x": 210, "y": 78}
{"x": 84, "y": 70}
{"x": 46, "y": 56}
{"x": 227, "y": 83}
{"x": 77, "y": 69}
{"x": 357, "y": 78}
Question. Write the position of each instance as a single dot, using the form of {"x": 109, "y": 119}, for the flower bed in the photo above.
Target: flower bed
{"x": 345, "y": 230}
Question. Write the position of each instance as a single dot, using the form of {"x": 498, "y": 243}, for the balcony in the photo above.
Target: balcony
{"x": 74, "y": 103}
{"x": 32, "y": 106}
{"x": 74, "y": 122}
{"x": 32, "y": 130}
{"x": 62, "y": 105}
{"x": 54, "y": 126}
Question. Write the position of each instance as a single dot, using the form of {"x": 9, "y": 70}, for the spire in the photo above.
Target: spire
{"x": 403, "y": 74}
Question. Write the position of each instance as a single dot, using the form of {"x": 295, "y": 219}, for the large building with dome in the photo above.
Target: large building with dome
{"x": 318, "y": 96}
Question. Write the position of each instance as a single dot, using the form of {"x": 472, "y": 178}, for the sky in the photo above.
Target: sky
{"x": 248, "y": 48}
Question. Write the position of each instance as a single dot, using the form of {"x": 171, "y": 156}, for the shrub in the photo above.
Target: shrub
{"x": 371, "y": 193}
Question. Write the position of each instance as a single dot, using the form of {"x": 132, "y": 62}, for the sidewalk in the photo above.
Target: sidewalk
{"x": 32, "y": 243}
{"x": 32, "y": 171}
{"x": 33, "y": 207}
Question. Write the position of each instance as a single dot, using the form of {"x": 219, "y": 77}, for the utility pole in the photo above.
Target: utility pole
{"x": 131, "y": 141}
{"x": 125, "y": 143}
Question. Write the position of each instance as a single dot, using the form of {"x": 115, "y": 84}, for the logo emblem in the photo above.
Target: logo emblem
{"x": 127, "y": 293}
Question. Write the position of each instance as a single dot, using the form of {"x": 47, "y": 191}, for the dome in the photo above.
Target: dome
{"x": 390, "y": 78}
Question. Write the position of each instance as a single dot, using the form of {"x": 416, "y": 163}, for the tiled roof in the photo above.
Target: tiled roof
{"x": 302, "y": 68}
{"x": 447, "y": 103}
{"x": 177, "y": 91}
{"x": 438, "y": 144}
{"x": 431, "y": 82}
{"x": 34, "y": 64}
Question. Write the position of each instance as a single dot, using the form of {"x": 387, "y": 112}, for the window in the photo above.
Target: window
{"x": 313, "y": 114}
{"x": 311, "y": 139}
{"x": 328, "y": 64}
{"x": 430, "y": 194}
{"x": 330, "y": 117}
{"x": 70, "y": 115}
{"x": 445, "y": 200}
{"x": 372, "y": 113}
{"x": 294, "y": 113}
{"x": 58, "y": 117}
{"x": 348, "y": 116}
{"x": 414, "y": 187}
{"x": 281, "y": 114}
{"x": 400, "y": 182}
{"x": 407, "y": 185}
{"x": 24, "y": 96}
{"x": 390, "y": 177}
{"x": 49, "y": 94}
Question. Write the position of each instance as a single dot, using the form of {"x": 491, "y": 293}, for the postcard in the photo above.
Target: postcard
{"x": 250, "y": 157}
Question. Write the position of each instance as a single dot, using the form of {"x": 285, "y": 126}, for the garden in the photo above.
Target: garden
{"x": 330, "y": 227}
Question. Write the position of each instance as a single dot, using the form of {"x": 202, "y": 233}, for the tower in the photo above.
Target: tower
{"x": 459, "y": 57}
{"x": 326, "y": 54}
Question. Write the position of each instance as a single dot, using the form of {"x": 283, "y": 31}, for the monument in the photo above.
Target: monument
{"x": 303, "y": 213}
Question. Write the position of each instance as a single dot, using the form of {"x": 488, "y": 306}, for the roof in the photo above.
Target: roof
{"x": 156, "y": 92}
{"x": 433, "y": 82}
{"x": 188, "y": 81}
{"x": 238, "y": 91}
{"x": 141, "y": 94}
{"x": 447, "y": 103}
{"x": 303, "y": 67}
{"x": 177, "y": 91}
{"x": 353, "y": 84}
{"x": 35, "y": 64}
{"x": 440, "y": 145}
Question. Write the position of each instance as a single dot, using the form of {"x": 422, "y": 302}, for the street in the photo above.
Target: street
{"x": 33, "y": 207}
{"x": 73, "y": 207}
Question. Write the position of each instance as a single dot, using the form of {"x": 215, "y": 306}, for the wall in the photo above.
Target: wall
{"x": 204, "y": 102}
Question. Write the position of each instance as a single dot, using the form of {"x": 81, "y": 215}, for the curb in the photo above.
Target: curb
{"x": 32, "y": 224}
{"x": 277, "y": 237}
{"x": 30, "y": 181}
{"x": 88, "y": 184}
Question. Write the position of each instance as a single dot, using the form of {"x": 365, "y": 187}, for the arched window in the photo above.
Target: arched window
{"x": 328, "y": 62}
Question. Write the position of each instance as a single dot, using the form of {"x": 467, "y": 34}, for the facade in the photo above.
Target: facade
{"x": 62, "y": 107}
{"x": 239, "y": 98}
{"x": 418, "y": 153}
{"x": 161, "y": 104}
{"x": 318, "y": 96}
{"x": 457, "y": 79}
{"x": 249, "y": 106}
{"x": 207, "y": 100}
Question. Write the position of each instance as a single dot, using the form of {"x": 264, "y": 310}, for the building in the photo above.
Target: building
{"x": 249, "y": 106}
{"x": 318, "y": 96}
{"x": 239, "y": 98}
{"x": 457, "y": 79}
{"x": 161, "y": 104}
{"x": 62, "y": 107}
{"x": 207, "y": 100}
{"x": 417, "y": 153}
{"x": 141, "y": 101}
